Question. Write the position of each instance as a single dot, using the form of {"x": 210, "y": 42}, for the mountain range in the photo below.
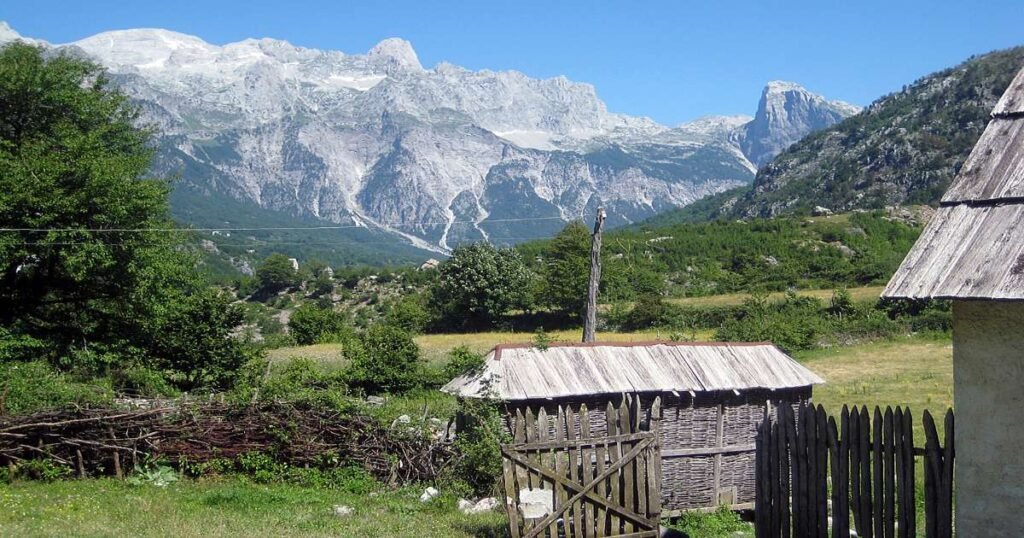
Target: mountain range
{"x": 904, "y": 148}
{"x": 396, "y": 154}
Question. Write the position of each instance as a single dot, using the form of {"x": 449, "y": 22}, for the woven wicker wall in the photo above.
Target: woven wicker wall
{"x": 692, "y": 422}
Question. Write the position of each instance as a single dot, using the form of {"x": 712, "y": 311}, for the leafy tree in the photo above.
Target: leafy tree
{"x": 192, "y": 344}
{"x": 315, "y": 324}
{"x": 95, "y": 281}
{"x": 408, "y": 313}
{"x": 73, "y": 164}
{"x": 276, "y": 273}
{"x": 566, "y": 271}
{"x": 383, "y": 359}
{"x": 479, "y": 284}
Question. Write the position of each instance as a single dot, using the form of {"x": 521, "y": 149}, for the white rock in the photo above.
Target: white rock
{"x": 341, "y": 510}
{"x": 484, "y": 505}
{"x": 465, "y": 506}
{"x": 428, "y": 494}
{"x": 404, "y": 419}
{"x": 536, "y": 503}
{"x": 375, "y": 401}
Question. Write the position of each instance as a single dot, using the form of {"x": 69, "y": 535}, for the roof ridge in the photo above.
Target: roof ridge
{"x": 638, "y": 343}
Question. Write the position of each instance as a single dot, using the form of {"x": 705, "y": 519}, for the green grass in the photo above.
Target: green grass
{"x": 863, "y": 294}
{"x": 910, "y": 371}
{"x": 435, "y": 347}
{"x": 915, "y": 372}
{"x": 226, "y": 507}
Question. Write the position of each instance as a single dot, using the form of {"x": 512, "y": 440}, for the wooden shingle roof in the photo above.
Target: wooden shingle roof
{"x": 523, "y": 372}
{"x": 974, "y": 246}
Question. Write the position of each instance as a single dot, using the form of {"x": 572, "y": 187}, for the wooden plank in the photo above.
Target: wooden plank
{"x": 640, "y": 467}
{"x": 946, "y": 512}
{"x": 821, "y": 443}
{"x": 910, "y": 506}
{"x": 867, "y": 506}
{"x": 889, "y": 470}
{"x": 654, "y": 479}
{"x": 559, "y": 464}
{"x": 511, "y": 497}
{"x": 855, "y": 466}
{"x": 549, "y": 444}
{"x": 615, "y": 479}
{"x": 841, "y": 513}
{"x": 876, "y": 463}
{"x": 798, "y": 460}
{"x": 575, "y": 471}
{"x": 690, "y": 452}
{"x": 588, "y": 452}
{"x": 931, "y": 477}
{"x": 759, "y": 480}
{"x": 628, "y": 471}
{"x": 901, "y": 464}
{"x": 784, "y": 476}
{"x": 811, "y": 422}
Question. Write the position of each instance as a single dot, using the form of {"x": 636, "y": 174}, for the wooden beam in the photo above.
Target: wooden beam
{"x": 590, "y": 322}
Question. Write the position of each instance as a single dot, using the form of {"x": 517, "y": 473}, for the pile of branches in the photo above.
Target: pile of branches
{"x": 95, "y": 442}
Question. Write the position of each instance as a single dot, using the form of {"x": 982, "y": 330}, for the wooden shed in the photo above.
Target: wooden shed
{"x": 713, "y": 395}
{"x": 973, "y": 253}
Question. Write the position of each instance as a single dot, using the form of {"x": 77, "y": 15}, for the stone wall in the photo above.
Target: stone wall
{"x": 988, "y": 363}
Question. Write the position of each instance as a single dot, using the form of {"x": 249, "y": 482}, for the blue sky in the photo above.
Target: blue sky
{"x": 672, "y": 61}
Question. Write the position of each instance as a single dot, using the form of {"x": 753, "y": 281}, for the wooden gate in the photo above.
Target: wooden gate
{"x": 558, "y": 480}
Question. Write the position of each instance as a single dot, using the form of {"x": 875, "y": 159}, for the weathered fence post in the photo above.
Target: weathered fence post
{"x": 590, "y": 322}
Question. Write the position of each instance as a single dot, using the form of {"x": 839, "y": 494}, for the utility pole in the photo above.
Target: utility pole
{"x": 590, "y": 323}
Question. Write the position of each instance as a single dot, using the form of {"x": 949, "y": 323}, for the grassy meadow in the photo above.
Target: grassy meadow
{"x": 908, "y": 371}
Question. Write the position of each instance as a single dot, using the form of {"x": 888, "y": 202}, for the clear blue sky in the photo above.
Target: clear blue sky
{"x": 672, "y": 61}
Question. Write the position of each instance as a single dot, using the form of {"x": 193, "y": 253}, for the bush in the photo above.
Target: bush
{"x": 462, "y": 361}
{"x": 299, "y": 381}
{"x": 383, "y": 359}
{"x": 478, "y": 445}
{"x": 314, "y": 324}
{"x": 26, "y": 387}
{"x": 141, "y": 382}
{"x": 652, "y": 311}
{"x": 409, "y": 314}
{"x": 793, "y": 324}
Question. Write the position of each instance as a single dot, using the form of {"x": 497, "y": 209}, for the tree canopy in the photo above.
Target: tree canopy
{"x": 90, "y": 274}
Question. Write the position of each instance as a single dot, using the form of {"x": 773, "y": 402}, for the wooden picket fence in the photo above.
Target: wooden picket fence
{"x": 606, "y": 485}
{"x": 812, "y": 473}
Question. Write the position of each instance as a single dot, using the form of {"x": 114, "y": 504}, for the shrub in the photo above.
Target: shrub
{"x": 409, "y": 314}
{"x": 299, "y": 381}
{"x": 652, "y": 311}
{"x": 478, "y": 445}
{"x": 314, "y": 324}
{"x": 462, "y": 361}
{"x": 27, "y": 387}
{"x": 383, "y": 359}
{"x": 793, "y": 324}
{"x": 141, "y": 381}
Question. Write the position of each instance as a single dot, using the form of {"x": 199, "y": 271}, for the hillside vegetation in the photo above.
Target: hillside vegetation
{"x": 904, "y": 148}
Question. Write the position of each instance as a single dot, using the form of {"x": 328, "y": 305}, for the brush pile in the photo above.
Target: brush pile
{"x": 95, "y": 442}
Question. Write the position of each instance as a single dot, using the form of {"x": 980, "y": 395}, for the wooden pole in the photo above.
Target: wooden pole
{"x": 590, "y": 323}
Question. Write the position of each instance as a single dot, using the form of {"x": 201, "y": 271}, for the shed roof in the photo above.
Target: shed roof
{"x": 523, "y": 372}
{"x": 974, "y": 246}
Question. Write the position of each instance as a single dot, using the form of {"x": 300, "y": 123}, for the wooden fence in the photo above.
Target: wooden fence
{"x": 813, "y": 473}
{"x": 559, "y": 480}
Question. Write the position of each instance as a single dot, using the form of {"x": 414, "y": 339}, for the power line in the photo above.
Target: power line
{"x": 270, "y": 228}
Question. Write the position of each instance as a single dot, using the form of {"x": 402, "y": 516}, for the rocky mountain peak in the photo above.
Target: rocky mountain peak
{"x": 786, "y": 113}
{"x": 396, "y": 53}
